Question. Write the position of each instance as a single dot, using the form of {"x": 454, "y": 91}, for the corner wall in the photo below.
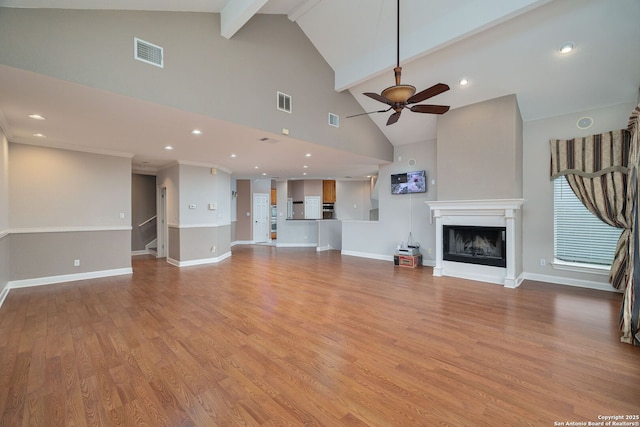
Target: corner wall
{"x": 199, "y": 213}
{"x": 4, "y": 215}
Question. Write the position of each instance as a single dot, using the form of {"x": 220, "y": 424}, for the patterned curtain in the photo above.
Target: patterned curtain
{"x": 629, "y": 315}
{"x": 596, "y": 169}
{"x": 600, "y": 170}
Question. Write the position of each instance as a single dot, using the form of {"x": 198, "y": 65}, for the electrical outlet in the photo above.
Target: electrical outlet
{"x": 213, "y": 248}
{"x": 543, "y": 262}
{"x": 429, "y": 251}
{"x": 76, "y": 263}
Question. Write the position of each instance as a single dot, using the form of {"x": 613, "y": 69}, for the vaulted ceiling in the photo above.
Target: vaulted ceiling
{"x": 500, "y": 46}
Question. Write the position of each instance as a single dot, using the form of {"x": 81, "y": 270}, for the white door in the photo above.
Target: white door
{"x": 261, "y": 211}
{"x": 312, "y": 208}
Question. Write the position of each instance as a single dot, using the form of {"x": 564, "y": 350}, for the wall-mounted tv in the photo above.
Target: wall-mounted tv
{"x": 409, "y": 182}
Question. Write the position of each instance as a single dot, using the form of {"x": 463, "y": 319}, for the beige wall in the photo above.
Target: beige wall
{"x": 65, "y": 206}
{"x": 270, "y": 53}
{"x": 244, "y": 230}
{"x": 480, "y": 151}
{"x": 61, "y": 188}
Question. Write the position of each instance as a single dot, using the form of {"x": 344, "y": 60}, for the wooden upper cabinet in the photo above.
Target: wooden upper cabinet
{"x": 273, "y": 197}
{"x": 329, "y": 191}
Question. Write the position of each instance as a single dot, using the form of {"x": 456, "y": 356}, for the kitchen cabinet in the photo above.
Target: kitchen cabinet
{"x": 328, "y": 191}
{"x": 273, "y": 197}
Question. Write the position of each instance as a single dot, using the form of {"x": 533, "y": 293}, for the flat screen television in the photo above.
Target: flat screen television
{"x": 409, "y": 182}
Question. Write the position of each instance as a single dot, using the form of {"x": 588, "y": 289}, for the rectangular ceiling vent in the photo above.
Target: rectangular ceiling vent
{"x": 148, "y": 52}
{"x": 284, "y": 102}
{"x": 334, "y": 120}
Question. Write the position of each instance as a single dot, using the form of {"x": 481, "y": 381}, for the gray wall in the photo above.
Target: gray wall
{"x": 353, "y": 200}
{"x": 66, "y": 205}
{"x": 480, "y": 151}
{"x": 399, "y": 214}
{"x": 196, "y": 231}
{"x": 143, "y": 207}
{"x": 4, "y": 212}
{"x": 270, "y": 53}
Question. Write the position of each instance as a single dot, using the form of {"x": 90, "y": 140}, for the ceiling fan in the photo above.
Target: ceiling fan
{"x": 399, "y": 96}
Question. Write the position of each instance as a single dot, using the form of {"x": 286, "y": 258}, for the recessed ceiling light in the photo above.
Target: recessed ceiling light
{"x": 304, "y": 173}
{"x": 39, "y": 135}
{"x": 308, "y": 155}
{"x": 36, "y": 117}
{"x": 233, "y": 156}
{"x": 463, "y": 82}
{"x": 305, "y": 166}
{"x": 264, "y": 173}
{"x": 168, "y": 148}
{"x": 256, "y": 167}
{"x": 566, "y": 48}
{"x": 196, "y": 132}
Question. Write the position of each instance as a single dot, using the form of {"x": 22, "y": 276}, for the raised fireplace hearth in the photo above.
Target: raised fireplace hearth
{"x": 479, "y": 240}
{"x": 475, "y": 244}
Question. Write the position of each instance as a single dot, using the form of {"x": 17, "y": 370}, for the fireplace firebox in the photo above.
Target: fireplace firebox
{"x": 474, "y": 245}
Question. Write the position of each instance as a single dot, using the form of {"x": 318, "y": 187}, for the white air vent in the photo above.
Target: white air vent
{"x": 147, "y": 52}
{"x": 334, "y": 120}
{"x": 284, "y": 102}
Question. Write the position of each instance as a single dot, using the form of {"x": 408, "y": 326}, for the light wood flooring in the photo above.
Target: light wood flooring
{"x": 284, "y": 336}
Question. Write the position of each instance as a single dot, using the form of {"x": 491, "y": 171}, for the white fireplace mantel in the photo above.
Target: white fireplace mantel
{"x": 492, "y": 212}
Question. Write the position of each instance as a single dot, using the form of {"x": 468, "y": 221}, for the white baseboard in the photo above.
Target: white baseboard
{"x": 601, "y": 286}
{"x": 296, "y": 245}
{"x": 141, "y": 252}
{"x": 324, "y": 248}
{"x": 202, "y": 261}
{"x": 368, "y": 255}
{"x": 39, "y": 281}
{"x": 3, "y": 294}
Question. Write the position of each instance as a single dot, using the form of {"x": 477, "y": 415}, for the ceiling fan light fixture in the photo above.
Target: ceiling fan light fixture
{"x": 399, "y": 93}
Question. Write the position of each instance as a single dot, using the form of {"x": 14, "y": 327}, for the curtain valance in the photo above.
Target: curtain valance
{"x": 591, "y": 156}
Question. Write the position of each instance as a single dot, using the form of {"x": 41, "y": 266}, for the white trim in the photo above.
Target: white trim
{"x": 296, "y": 245}
{"x": 198, "y": 261}
{"x": 581, "y": 267}
{"x": 69, "y": 229}
{"x": 4, "y": 233}
{"x": 204, "y": 165}
{"x": 323, "y": 248}
{"x": 141, "y": 252}
{"x": 3, "y": 295}
{"x": 242, "y": 242}
{"x": 39, "y": 281}
{"x": 589, "y": 284}
{"x": 62, "y": 146}
{"x": 181, "y": 226}
{"x": 368, "y": 255}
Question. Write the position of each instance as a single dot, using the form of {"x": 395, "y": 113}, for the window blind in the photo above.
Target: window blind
{"x": 579, "y": 236}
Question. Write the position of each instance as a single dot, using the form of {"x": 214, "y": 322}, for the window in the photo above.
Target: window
{"x": 579, "y": 236}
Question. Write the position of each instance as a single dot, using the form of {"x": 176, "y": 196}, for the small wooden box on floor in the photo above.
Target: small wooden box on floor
{"x": 411, "y": 261}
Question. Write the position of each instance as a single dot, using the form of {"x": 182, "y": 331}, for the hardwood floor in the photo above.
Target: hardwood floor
{"x": 280, "y": 336}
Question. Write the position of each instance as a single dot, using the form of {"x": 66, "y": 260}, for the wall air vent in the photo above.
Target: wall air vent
{"x": 334, "y": 120}
{"x": 148, "y": 52}
{"x": 284, "y": 102}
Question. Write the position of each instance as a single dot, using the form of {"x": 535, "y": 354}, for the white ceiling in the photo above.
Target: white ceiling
{"x": 502, "y": 46}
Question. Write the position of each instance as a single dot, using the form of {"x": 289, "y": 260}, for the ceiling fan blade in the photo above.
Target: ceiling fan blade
{"x": 370, "y": 112}
{"x": 434, "y": 90}
{"x": 393, "y": 118}
{"x": 431, "y": 109}
{"x": 378, "y": 98}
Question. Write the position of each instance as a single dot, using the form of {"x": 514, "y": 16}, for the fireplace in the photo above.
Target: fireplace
{"x": 484, "y": 236}
{"x": 474, "y": 245}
